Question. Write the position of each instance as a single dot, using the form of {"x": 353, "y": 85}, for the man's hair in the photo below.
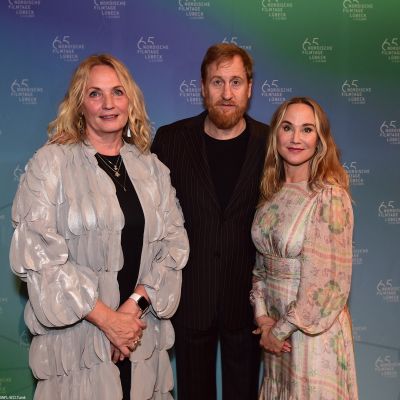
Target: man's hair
{"x": 221, "y": 52}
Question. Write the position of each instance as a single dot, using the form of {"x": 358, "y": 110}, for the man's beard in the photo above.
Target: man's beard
{"x": 224, "y": 120}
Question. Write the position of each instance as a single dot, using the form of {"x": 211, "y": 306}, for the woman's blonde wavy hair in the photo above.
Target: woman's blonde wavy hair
{"x": 325, "y": 166}
{"x": 65, "y": 129}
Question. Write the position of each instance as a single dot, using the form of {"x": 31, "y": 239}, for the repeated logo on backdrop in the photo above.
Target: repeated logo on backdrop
{"x": 315, "y": 49}
{"x": 24, "y": 8}
{"x": 359, "y": 254}
{"x": 389, "y": 212}
{"x": 276, "y": 9}
{"x": 109, "y": 8}
{"x": 66, "y": 49}
{"x": 387, "y": 367}
{"x": 390, "y": 130}
{"x": 193, "y": 9}
{"x": 25, "y": 92}
{"x": 356, "y": 174}
{"x": 150, "y": 49}
{"x": 388, "y": 291}
{"x": 235, "y": 40}
{"x": 190, "y": 90}
{"x": 356, "y": 10}
{"x": 345, "y": 53}
{"x": 391, "y": 49}
{"x": 355, "y": 93}
{"x": 272, "y": 90}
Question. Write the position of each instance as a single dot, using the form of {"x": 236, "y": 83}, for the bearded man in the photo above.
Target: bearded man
{"x": 216, "y": 159}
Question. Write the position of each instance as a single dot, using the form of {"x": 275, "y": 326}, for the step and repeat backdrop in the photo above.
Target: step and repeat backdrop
{"x": 343, "y": 53}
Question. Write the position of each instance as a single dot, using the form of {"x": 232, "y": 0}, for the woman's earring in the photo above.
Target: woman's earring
{"x": 128, "y": 132}
{"x": 81, "y": 126}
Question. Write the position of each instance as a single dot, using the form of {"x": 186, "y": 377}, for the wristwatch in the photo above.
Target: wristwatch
{"x": 141, "y": 301}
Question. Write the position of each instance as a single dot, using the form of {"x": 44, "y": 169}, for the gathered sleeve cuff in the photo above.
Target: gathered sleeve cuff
{"x": 325, "y": 276}
{"x": 60, "y": 292}
{"x": 163, "y": 279}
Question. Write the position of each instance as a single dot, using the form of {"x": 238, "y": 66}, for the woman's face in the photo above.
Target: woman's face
{"x": 105, "y": 103}
{"x": 297, "y": 139}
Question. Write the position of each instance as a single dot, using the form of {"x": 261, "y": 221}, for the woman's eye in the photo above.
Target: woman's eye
{"x": 308, "y": 130}
{"x": 118, "y": 92}
{"x": 286, "y": 128}
{"x": 94, "y": 93}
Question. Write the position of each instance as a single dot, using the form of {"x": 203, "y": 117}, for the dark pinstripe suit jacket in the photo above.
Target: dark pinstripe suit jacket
{"x": 217, "y": 278}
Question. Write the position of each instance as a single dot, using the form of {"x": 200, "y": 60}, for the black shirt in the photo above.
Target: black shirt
{"x": 132, "y": 232}
{"x": 225, "y": 158}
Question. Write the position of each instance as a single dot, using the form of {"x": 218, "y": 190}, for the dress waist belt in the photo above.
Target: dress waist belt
{"x": 281, "y": 267}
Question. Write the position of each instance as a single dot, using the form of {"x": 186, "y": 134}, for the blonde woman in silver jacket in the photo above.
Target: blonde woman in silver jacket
{"x": 99, "y": 239}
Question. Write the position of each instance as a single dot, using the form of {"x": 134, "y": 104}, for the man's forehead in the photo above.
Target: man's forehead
{"x": 224, "y": 63}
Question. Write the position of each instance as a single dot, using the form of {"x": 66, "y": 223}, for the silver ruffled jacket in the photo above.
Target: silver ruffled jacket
{"x": 67, "y": 247}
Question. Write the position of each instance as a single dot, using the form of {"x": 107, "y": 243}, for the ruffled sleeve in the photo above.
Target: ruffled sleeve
{"x": 326, "y": 264}
{"x": 171, "y": 251}
{"x": 60, "y": 292}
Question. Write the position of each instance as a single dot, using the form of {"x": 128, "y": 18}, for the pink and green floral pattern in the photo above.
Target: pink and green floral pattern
{"x": 302, "y": 279}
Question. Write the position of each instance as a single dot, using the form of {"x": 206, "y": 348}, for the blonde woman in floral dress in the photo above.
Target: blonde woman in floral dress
{"x": 301, "y": 280}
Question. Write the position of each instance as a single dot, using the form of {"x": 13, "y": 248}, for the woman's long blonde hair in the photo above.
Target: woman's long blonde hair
{"x": 325, "y": 166}
{"x": 69, "y": 125}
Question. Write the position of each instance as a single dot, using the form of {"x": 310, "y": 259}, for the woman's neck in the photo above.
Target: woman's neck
{"x": 108, "y": 145}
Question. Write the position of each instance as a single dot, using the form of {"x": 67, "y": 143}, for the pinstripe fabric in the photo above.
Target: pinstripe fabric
{"x": 217, "y": 278}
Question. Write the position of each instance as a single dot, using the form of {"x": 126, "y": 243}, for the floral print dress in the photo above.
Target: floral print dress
{"x": 302, "y": 279}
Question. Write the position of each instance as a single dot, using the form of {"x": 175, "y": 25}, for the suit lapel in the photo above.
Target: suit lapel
{"x": 197, "y": 154}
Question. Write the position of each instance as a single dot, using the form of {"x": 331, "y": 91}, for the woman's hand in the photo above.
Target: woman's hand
{"x": 124, "y": 330}
{"x": 129, "y": 306}
{"x": 116, "y": 355}
{"x": 268, "y": 341}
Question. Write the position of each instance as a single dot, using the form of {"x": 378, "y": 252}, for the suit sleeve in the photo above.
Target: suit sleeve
{"x": 157, "y": 146}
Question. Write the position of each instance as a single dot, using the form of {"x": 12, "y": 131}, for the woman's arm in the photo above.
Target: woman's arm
{"x": 60, "y": 292}
{"x": 161, "y": 283}
{"x": 326, "y": 267}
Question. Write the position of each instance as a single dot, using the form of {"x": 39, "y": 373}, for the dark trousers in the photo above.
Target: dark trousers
{"x": 196, "y": 353}
{"x": 125, "y": 375}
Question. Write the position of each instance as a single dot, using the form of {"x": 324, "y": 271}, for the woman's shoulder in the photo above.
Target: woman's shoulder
{"x": 335, "y": 198}
{"x": 49, "y": 156}
{"x": 332, "y": 190}
{"x": 53, "y": 151}
{"x": 148, "y": 160}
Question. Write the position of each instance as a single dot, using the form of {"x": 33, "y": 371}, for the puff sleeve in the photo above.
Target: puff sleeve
{"x": 60, "y": 292}
{"x": 326, "y": 265}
